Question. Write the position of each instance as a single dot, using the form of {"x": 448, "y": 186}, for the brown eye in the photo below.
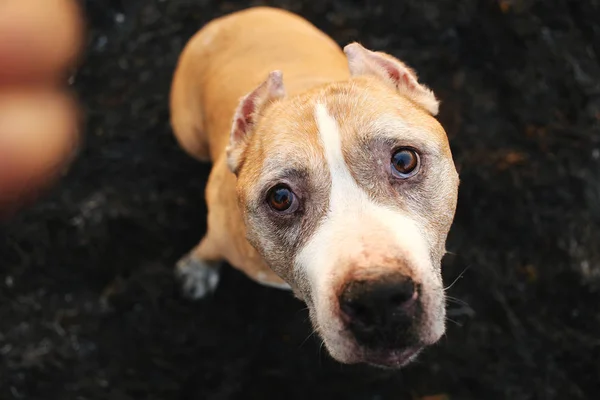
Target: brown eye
{"x": 281, "y": 198}
{"x": 405, "y": 163}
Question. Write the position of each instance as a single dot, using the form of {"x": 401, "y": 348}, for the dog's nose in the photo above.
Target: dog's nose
{"x": 373, "y": 308}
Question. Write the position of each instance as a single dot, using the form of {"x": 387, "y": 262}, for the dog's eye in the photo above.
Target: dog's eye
{"x": 281, "y": 198}
{"x": 405, "y": 163}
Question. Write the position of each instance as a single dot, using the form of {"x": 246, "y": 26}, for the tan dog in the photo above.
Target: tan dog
{"x": 339, "y": 184}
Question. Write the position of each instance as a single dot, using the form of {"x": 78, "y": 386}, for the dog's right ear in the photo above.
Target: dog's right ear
{"x": 247, "y": 114}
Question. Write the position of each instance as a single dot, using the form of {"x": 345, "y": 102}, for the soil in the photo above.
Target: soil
{"x": 89, "y": 308}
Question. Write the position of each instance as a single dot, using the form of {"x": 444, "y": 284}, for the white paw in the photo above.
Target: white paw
{"x": 198, "y": 278}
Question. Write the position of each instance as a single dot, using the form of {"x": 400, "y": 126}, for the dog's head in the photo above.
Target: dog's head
{"x": 348, "y": 191}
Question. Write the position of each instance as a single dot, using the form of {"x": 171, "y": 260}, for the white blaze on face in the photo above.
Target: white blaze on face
{"x": 356, "y": 231}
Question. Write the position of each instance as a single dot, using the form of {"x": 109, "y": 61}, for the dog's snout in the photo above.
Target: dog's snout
{"x": 386, "y": 305}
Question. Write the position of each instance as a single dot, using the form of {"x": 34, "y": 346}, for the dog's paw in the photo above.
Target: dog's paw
{"x": 198, "y": 278}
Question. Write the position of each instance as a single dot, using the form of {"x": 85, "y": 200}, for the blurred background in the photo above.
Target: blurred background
{"x": 89, "y": 308}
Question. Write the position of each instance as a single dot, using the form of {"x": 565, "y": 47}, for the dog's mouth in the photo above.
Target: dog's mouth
{"x": 391, "y": 358}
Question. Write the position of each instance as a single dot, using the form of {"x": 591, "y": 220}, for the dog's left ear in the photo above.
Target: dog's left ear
{"x": 393, "y": 72}
{"x": 247, "y": 114}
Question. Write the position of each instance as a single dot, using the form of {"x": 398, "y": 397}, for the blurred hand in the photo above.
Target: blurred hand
{"x": 40, "y": 40}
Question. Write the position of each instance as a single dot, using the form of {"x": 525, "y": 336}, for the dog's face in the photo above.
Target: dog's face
{"x": 348, "y": 192}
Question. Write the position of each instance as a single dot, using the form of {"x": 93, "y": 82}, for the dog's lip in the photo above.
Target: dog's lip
{"x": 394, "y": 358}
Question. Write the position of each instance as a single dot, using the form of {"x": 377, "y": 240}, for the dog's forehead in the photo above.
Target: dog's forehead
{"x": 289, "y": 137}
{"x": 369, "y": 111}
{"x": 362, "y": 109}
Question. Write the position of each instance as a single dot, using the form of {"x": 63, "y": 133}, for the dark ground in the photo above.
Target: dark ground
{"x": 88, "y": 305}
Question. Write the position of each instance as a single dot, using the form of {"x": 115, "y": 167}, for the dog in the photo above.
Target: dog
{"x": 330, "y": 176}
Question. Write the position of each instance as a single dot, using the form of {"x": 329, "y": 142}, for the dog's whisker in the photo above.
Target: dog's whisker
{"x": 308, "y": 337}
{"x": 320, "y": 351}
{"x": 455, "y": 322}
{"x": 455, "y": 300}
{"x": 457, "y": 278}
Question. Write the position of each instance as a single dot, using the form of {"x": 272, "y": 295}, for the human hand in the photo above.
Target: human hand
{"x": 40, "y": 40}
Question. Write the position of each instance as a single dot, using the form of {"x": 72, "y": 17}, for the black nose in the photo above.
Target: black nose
{"x": 382, "y": 309}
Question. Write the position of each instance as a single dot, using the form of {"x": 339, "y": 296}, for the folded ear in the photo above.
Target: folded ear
{"x": 393, "y": 72}
{"x": 247, "y": 114}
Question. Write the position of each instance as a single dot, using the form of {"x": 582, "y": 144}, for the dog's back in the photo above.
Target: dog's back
{"x": 230, "y": 56}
